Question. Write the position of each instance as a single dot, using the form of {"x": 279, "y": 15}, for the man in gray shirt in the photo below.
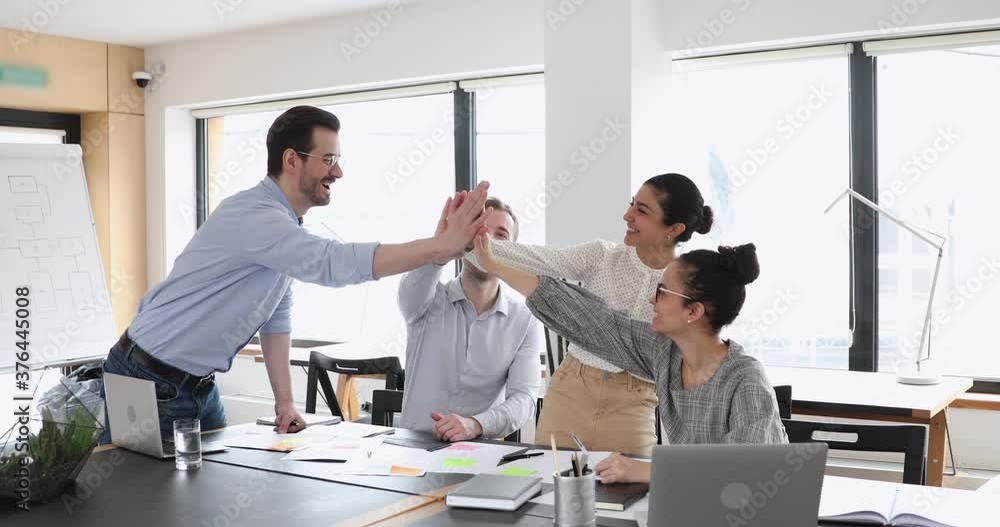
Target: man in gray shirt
{"x": 472, "y": 351}
{"x": 233, "y": 279}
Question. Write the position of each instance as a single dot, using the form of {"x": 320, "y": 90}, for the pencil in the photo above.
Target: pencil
{"x": 555, "y": 454}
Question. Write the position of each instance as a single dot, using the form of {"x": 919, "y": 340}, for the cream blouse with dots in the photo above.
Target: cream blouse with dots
{"x": 611, "y": 271}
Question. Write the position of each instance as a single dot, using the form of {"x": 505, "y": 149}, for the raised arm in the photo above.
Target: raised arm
{"x": 576, "y": 262}
{"x": 417, "y": 288}
{"x": 278, "y": 243}
{"x": 582, "y": 317}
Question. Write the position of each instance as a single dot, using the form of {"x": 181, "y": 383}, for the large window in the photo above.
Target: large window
{"x": 510, "y": 152}
{"x": 938, "y": 134}
{"x": 400, "y": 164}
{"x": 768, "y": 145}
{"x": 398, "y": 170}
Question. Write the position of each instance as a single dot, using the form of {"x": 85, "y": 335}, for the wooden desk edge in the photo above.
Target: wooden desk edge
{"x": 977, "y": 401}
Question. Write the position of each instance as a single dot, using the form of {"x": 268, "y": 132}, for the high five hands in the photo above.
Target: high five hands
{"x": 462, "y": 219}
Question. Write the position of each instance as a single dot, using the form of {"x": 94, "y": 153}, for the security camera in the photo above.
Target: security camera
{"x": 141, "y": 78}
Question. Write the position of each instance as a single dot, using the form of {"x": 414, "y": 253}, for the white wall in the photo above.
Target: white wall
{"x": 423, "y": 41}
{"x": 735, "y": 23}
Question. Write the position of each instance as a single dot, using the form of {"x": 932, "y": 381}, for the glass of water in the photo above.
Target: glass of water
{"x": 187, "y": 444}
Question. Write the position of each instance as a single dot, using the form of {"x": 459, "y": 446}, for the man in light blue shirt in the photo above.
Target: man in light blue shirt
{"x": 472, "y": 351}
{"x": 232, "y": 280}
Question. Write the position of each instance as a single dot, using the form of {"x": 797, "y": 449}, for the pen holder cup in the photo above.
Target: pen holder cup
{"x": 575, "y": 500}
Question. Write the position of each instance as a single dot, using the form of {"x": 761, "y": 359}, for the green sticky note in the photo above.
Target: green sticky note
{"x": 459, "y": 462}
{"x": 518, "y": 471}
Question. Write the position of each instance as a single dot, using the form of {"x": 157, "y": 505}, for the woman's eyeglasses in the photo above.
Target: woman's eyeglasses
{"x": 661, "y": 289}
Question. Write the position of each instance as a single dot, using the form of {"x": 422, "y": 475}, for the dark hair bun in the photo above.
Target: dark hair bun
{"x": 707, "y": 218}
{"x": 740, "y": 262}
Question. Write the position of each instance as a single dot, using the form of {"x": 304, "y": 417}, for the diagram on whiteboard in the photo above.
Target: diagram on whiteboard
{"x": 48, "y": 243}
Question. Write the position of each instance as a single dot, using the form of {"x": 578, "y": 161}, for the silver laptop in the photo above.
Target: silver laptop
{"x": 749, "y": 485}
{"x": 135, "y": 419}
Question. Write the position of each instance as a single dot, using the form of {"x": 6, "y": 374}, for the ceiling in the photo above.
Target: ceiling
{"x": 144, "y": 23}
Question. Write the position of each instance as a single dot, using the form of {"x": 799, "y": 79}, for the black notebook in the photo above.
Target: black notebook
{"x": 618, "y": 496}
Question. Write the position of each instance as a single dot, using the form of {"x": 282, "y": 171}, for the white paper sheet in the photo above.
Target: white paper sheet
{"x": 337, "y": 449}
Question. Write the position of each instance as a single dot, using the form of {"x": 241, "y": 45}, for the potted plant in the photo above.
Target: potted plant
{"x": 56, "y": 454}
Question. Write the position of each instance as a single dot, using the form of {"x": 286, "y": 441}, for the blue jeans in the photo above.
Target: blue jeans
{"x": 173, "y": 402}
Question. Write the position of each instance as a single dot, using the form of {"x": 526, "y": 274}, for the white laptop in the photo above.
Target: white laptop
{"x": 748, "y": 485}
{"x": 135, "y": 419}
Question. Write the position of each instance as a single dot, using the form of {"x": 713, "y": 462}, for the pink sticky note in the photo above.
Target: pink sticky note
{"x": 464, "y": 447}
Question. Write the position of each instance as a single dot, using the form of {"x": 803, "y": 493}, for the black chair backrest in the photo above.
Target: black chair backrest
{"x": 784, "y": 396}
{"x": 320, "y": 365}
{"x": 554, "y": 357}
{"x": 910, "y": 440}
{"x": 385, "y": 404}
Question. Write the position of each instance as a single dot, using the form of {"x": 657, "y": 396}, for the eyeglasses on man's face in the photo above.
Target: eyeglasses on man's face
{"x": 328, "y": 160}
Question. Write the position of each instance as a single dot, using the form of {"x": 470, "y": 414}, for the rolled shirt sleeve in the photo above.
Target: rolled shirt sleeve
{"x": 281, "y": 318}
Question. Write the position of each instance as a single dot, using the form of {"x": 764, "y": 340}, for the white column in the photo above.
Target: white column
{"x": 607, "y": 77}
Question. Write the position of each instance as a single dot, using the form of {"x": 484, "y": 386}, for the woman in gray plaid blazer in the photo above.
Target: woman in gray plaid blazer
{"x": 709, "y": 390}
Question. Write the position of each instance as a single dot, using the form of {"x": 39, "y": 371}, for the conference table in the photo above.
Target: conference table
{"x": 876, "y": 396}
{"x": 253, "y": 488}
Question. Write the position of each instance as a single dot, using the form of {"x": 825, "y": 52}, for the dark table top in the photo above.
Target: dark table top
{"x": 118, "y": 487}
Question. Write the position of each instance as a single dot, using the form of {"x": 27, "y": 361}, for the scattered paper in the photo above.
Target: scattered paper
{"x": 272, "y": 442}
{"x": 357, "y": 430}
{"x": 337, "y": 449}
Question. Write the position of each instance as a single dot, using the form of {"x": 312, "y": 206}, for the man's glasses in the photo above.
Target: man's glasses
{"x": 329, "y": 160}
{"x": 661, "y": 289}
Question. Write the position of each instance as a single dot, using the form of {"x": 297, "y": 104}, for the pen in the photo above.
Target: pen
{"x": 388, "y": 432}
{"x": 509, "y": 458}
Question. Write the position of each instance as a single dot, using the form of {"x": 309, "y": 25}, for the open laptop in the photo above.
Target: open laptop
{"x": 135, "y": 419}
{"x": 748, "y": 485}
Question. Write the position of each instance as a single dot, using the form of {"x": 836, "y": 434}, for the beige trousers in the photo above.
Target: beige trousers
{"x": 608, "y": 411}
